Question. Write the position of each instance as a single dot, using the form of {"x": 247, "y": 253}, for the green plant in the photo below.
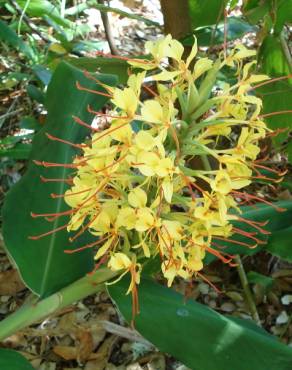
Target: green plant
{"x": 203, "y": 336}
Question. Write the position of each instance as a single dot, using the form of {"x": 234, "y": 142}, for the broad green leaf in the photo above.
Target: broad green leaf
{"x": 10, "y": 37}
{"x": 42, "y": 263}
{"x": 19, "y": 151}
{"x": 12, "y": 360}
{"x": 42, "y": 8}
{"x": 277, "y": 221}
{"x": 255, "y": 278}
{"x": 277, "y": 96}
{"x": 207, "y": 35}
{"x": 280, "y": 244}
{"x": 103, "y": 65}
{"x": 205, "y": 13}
{"x": 284, "y": 14}
{"x": 196, "y": 335}
{"x": 255, "y": 10}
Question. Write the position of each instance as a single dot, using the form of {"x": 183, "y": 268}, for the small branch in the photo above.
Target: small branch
{"x": 10, "y": 114}
{"x": 108, "y": 326}
{"x": 26, "y": 19}
{"x": 108, "y": 30}
{"x": 246, "y": 288}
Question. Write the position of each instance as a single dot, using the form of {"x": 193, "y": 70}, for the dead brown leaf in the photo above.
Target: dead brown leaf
{"x": 85, "y": 346}
{"x": 66, "y": 352}
{"x": 10, "y": 282}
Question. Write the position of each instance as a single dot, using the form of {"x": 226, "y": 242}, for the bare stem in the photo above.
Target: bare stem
{"x": 246, "y": 288}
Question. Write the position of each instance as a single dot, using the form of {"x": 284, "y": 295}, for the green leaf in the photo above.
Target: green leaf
{"x": 256, "y": 278}
{"x": 103, "y": 65}
{"x": 277, "y": 221}
{"x": 207, "y": 35}
{"x": 12, "y": 360}
{"x": 19, "y": 151}
{"x": 284, "y": 14}
{"x": 196, "y": 335}
{"x": 42, "y": 8}
{"x": 43, "y": 265}
{"x": 11, "y": 38}
{"x": 205, "y": 13}
{"x": 35, "y": 93}
{"x": 255, "y": 10}
{"x": 280, "y": 244}
{"x": 277, "y": 96}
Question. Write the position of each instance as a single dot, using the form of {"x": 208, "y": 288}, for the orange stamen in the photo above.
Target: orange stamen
{"x": 54, "y": 138}
{"x": 82, "y": 88}
{"x": 36, "y": 237}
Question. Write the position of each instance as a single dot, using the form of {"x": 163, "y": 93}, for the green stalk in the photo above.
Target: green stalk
{"x": 246, "y": 288}
{"x": 35, "y": 311}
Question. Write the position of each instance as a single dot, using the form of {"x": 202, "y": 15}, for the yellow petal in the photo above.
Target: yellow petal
{"x": 144, "y": 140}
{"x": 102, "y": 250}
{"x": 145, "y": 219}
{"x": 152, "y": 111}
{"x": 127, "y": 218}
{"x": 119, "y": 261}
{"x": 137, "y": 198}
{"x": 167, "y": 187}
{"x": 202, "y": 66}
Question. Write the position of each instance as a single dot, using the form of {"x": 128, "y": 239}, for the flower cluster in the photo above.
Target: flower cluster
{"x": 169, "y": 187}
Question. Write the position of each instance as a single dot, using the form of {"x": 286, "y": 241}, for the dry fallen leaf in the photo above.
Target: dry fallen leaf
{"x": 66, "y": 352}
{"x": 10, "y": 282}
{"x": 85, "y": 345}
{"x": 101, "y": 357}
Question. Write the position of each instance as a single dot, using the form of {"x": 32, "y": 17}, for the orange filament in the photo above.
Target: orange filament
{"x": 53, "y": 195}
{"x": 282, "y": 173}
{"x": 36, "y": 237}
{"x": 235, "y": 242}
{"x": 84, "y": 228}
{"x": 82, "y": 123}
{"x": 219, "y": 255}
{"x": 36, "y": 215}
{"x": 51, "y": 164}
{"x": 271, "y": 81}
{"x": 82, "y": 88}
{"x": 45, "y": 179}
{"x": 110, "y": 131}
{"x": 54, "y": 138}
{"x": 275, "y": 113}
{"x": 249, "y": 196}
{"x": 209, "y": 282}
{"x": 90, "y": 110}
{"x": 255, "y": 225}
{"x": 247, "y": 235}
{"x": 147, "y": 88}
{"x": 87, "y": 246}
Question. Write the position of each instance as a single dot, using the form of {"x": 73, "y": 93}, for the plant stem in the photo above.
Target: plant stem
{"x": 286, "y": 51}
{"x": 246, "y": 288}
{"x": 39, "y": 310}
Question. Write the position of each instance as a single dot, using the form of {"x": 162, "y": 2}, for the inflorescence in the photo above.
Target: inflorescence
{"x": 165, "y": 177}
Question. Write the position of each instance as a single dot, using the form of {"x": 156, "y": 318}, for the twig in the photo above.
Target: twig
{"x": 123, "y": 332}
{"x": 28, "y": 21}
{"x": 247, "y": 291}
{"x": 108, "y": 326}
{"x": 108, "y": 30}
{"x": 10, "y": 114}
